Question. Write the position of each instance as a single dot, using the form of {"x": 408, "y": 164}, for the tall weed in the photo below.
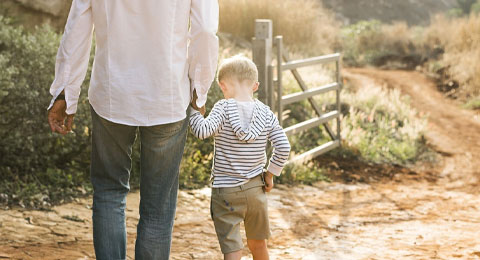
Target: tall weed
{"x": 460, "y": 40}
{"x": 305, "y": 24}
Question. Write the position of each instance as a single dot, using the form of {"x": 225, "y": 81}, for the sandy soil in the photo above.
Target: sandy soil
{"x": 427, "y": 212}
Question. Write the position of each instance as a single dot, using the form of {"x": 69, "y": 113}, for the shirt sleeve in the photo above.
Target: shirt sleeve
{"x": 203, "y": 48}
{"x": 281, "y": 147}
{"x": 205, "y": 127}
{"x": 73, "y": 54}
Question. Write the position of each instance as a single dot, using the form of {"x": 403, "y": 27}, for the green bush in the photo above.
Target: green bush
{"x": 32, "y": 160}
{"x": 475, "y": 8}
{"x": 359, "y": 41}
{"x": 466, "y": 5}
{"x": 455, "y": 13}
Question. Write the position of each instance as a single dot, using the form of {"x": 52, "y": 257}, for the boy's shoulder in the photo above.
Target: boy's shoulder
{"x": 222, "y": 102}
{"x": 268, "y": 112}
{"x": 263, "y": 106}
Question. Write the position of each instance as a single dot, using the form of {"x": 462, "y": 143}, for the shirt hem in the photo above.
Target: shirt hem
{"x": 126, "y": 122}
{"x": 235, "y": 185}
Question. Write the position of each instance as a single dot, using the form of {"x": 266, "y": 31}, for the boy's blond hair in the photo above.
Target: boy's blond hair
{"x": 239, "y": 67}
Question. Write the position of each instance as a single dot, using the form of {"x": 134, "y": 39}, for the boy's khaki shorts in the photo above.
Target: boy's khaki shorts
{"x": 231, "y": 206}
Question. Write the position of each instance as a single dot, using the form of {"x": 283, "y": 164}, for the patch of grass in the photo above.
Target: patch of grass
{"x": 473, "y": 104}
{"x": 74, "y": 218}
{"x": 299, "y": 173}
{"x": 382, "y": 126}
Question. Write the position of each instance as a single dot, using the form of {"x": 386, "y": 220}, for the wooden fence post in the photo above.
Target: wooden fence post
{"x": 339, "y": 107}
{"x": 279, "y": 45}
{"x": 262, "y": 57}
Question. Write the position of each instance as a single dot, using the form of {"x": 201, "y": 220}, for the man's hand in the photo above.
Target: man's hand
{"x": 268, "y": 181}
{"x": 193, "y": 103}
{"x": 57, "y": 117}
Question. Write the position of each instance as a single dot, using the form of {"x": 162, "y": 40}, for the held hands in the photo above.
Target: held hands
{"x": 193, "y": 103}
{"x": 268, "y": 181}
{"x": 57, "y": 117}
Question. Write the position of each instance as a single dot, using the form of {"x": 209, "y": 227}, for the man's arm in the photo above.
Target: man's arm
{"x": 203, "y": 48}
{"x": 206, "y": 127}
{"x": 71, "y": 66}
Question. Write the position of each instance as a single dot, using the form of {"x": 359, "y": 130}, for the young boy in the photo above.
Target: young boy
{"x": 241, "y": 126}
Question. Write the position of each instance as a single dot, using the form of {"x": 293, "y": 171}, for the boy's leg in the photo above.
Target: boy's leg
{"x": 257, "y": 226}
{"x": 228, "y": 209}
{"x": 258, "y": 248}
{"x": 162, "y": 148}
{"x": 237, "y": 255}
{"x": 110, "y": 172}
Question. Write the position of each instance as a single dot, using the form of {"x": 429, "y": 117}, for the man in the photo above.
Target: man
{"x": 144, "y": 76}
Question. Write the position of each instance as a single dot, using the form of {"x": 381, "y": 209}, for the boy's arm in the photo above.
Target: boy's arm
{"x": 281, "y": 148}
{"x": 206, "y": 127}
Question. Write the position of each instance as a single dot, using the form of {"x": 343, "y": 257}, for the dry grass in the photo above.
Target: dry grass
{"x": 400, "y": 37}
{"x": 460, "y": 38}
{"x": 306, "y": 26}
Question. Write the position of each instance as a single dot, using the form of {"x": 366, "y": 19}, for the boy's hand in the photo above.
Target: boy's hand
{"x": 268, "y": 181}
{"x": 193, "y": 103}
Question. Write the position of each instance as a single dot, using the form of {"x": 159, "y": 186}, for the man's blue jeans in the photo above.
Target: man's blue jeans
{"x": 161, "y": 152}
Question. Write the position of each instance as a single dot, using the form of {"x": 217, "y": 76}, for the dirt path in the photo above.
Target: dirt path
{"x": 408, "y": 216}
{"x": 451, "y": 131}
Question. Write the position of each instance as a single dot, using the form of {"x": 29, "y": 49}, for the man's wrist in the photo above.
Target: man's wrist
{"x": 60, "y": 97}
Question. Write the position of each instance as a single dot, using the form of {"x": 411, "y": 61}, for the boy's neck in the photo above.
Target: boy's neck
{"x": 243, "y": 94}
{"x": 242, "y": 98}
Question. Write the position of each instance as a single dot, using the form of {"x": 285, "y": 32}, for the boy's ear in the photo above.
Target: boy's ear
{"x": 255, "y": 86}
{"x": 221, "y": 84}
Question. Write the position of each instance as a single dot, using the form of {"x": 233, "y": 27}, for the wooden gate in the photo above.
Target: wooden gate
{"x": 270, "y": 91}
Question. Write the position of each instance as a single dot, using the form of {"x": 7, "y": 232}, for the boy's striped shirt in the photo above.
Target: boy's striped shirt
{"x": 240, "y": 153}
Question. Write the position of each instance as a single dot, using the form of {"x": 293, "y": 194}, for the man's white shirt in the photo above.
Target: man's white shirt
{"x": 149, "y": 56}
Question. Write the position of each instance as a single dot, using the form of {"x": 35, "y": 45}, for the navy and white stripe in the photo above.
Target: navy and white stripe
{"x": 240, "y": 153}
